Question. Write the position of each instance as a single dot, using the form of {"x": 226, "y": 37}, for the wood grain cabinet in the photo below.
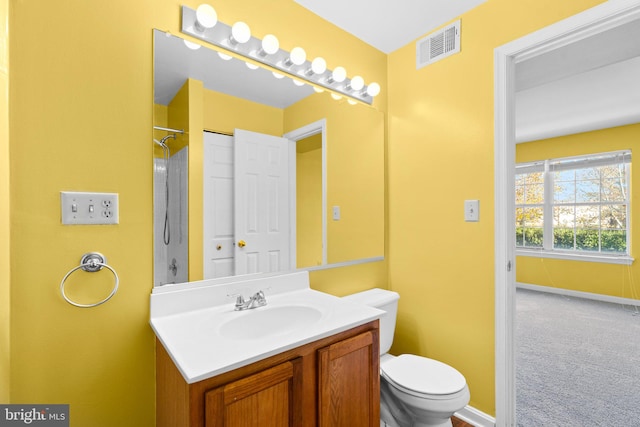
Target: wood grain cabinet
{"x": 330, "y": 382}
{"x": 348, "y": 392}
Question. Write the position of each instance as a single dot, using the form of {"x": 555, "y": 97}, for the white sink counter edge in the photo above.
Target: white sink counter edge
{"x": 188, "y": 321}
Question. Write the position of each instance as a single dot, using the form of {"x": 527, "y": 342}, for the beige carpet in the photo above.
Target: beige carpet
{"x": 577, "y": 362}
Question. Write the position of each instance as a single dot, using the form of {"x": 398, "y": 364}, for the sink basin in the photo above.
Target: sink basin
{"x": 268, "y": 321}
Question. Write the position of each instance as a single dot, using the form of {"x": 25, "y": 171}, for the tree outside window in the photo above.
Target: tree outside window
{"x": 586, "y": 200}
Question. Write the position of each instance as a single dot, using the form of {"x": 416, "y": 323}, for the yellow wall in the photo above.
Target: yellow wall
{"x": 81, "y": 120}
{"x": 4, "y": 203}
{"x": 599, "y": 278}
{"x": 355, "y": 159}
{"x": 440, "y": 153}
{"x": 225, "y": 113}
{"x": 309, "y": 201}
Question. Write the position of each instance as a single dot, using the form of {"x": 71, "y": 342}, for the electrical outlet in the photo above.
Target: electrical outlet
{"x": 88, "y": 208}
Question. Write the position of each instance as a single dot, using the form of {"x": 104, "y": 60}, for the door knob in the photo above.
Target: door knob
{"x": 242, "y": 243}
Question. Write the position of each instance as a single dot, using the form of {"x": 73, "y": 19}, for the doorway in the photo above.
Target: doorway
{"x": 572, "y": 30}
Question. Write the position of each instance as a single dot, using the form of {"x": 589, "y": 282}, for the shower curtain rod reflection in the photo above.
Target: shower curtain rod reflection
{"x": 168, "y": 129}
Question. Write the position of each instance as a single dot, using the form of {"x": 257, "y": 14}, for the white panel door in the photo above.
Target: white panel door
{"x": 218, "y": 197}
{"x": 262, "y": 226}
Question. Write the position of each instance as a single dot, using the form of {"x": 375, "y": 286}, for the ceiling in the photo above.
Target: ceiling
{"x": 174, "y": 62}
{"x": 584, "y": 86}
{"x": 389, "y": 25}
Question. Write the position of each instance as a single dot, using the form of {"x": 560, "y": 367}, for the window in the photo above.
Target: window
{"x": 576, "y": 205}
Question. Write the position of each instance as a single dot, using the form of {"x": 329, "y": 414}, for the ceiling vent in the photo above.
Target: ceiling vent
{"x": 438, "y": 45}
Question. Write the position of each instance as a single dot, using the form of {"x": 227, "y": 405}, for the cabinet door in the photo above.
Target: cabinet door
{"x": 349, "y": 382}
{"x": 264, "y": 399}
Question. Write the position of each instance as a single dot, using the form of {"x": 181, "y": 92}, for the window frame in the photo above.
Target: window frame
{"x": 548, "y": 167}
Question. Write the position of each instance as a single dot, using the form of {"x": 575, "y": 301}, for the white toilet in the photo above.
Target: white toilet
{"x": 414, "y": 391}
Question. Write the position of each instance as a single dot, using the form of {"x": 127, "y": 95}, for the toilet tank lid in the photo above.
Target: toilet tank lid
{"x": 373, "y": 297}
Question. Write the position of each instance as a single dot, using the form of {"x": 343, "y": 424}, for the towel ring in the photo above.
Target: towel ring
{"x": 91, "y": 262}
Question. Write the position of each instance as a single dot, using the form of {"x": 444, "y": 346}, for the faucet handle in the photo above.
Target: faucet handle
{"x": 239, "y": 299}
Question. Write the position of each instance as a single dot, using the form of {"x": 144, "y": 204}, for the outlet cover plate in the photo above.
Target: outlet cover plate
{"x": 88, "y": 208}
{"x": 472, "y": 210}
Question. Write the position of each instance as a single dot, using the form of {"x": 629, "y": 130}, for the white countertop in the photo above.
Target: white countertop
{"x": 188, "y": 319}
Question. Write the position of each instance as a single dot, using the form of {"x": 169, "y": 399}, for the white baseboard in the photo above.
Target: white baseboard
{"x": 471, "y": 415}
{"x": 579, "y": 294}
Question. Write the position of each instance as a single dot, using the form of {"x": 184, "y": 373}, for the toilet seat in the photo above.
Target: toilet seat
{"x": 421, "y": 376}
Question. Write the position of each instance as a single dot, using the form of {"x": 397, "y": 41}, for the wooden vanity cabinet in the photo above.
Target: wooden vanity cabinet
{"x": 330, "y": 382}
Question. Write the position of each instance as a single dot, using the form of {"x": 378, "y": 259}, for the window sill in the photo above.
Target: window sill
{"x": 607, "y": 259}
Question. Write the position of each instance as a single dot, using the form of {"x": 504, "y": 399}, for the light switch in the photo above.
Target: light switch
{"x": 88, "y": 208}
{"x": 472, "y": 210}
{"x": 336, "y": 213}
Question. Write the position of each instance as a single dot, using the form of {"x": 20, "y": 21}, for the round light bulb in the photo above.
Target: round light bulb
{"x": 351, "y": 102}
{"x": 277, "y": 75}
{"x": 373, "y": 89}
{"x": 318, "y": 65}
{"x": 224, "y": 56}
{"x": 357, "y": 83}
{"x": 240, "y": 32}
{"x": 270, "y": 44}
{"x": 298, "y": 56}
{"x": 298, "y": 82}
{"x": 251, "y": 66}
{"x": 206, "y": 17}
{"x": 336, "y": 96}
{"x": 191, "y": 45}
{"x": 339, "y": 74}
{"x": 318, "y": 89}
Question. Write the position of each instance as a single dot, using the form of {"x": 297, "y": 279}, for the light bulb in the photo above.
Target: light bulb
{"x": 191, "y": 45}
{"x": 357, "y": 83}
{"x": 298, "y": 82}
{"x": 240, "y": 33}
{"x": 318, "y": 89}
{"x": 351, "y": 101}
{"x": 224, "y": 56}
{"x": 206, "y": 17}
{"x": 251, "y": 66}
{"x": 336, "y": 96}
{"x": 270, "y": 45}
{"x": 318, "y": 66}
{"x": 338, "y": 75}
{"x": 373, "y": 89}
{"x": 277, "y": 75}
{"x": 297, "y": 57}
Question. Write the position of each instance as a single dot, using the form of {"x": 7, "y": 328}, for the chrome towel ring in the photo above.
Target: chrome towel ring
{"x": 91, "y": 262}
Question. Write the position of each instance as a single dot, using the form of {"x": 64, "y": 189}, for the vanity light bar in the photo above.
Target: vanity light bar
{"x": 219, "y": 35}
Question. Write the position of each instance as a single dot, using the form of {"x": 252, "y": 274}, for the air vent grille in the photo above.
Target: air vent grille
{"x": 438, "y": 45}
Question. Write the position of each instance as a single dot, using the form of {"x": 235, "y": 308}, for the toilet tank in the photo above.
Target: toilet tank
{"x": 382, "y": 300}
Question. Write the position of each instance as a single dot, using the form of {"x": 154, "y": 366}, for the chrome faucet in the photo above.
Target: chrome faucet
{"x": 257, "y": 300}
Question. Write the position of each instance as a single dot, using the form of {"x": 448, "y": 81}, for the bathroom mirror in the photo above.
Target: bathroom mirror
{"x": 335, "y": 209}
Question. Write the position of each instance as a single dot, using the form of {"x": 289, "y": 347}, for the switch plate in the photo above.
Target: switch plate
{"x": 88, "y": 208}
{"x": 472, "y": 210}
{"x": 336, "y": 213}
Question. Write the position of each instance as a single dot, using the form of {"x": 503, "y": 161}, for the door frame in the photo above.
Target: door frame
{"x": 296, "y": 135}
{"x": 578, "y": 27}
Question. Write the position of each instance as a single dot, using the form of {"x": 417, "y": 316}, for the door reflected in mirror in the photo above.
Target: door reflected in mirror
{"x": 331, "y": 155}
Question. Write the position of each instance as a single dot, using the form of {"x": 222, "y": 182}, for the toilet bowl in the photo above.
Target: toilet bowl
{"x": 414, "y": 391}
